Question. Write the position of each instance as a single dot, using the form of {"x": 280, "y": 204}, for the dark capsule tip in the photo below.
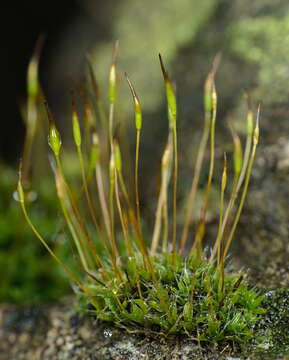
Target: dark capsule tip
{"x": 48, "y": 112}
{"x": 20, "y": 170}
{"x": 162, "y": 64}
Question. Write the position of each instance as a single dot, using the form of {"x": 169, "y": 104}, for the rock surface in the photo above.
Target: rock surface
{"x": 57, "y": 332}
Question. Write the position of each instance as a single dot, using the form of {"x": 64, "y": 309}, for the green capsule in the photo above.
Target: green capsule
{"x": 138, "y": 116}
{"x": 112, "y": 84}
{"x": 95, "y": 152}
{"x": 214, "y": 98}
{"x": 112, "y": 76}
{"x": 112, "y": 168}
{"x": 238, "y": 158}
{"x": 76, "y": 129}
{"x": 250, "y": 123}
{"x": 172, "y": 105}
{"x": 208, "y": 94}
{"x": 54, "y": 140}
{"x": 137, "y": 106}
{"x": 171, "y": 98}
{"x": 32, "y": 78}
{"x": 117, "y": 157}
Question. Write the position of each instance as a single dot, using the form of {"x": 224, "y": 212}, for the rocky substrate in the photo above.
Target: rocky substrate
{"x": 57, "y": 332}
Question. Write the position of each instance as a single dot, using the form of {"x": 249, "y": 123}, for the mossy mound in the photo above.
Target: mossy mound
{"x": 189, "y": 297}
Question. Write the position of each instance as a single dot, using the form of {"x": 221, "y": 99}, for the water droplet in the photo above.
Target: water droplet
{"x": 107, "y": 333}
{"x": 15, "y": 196}
{"x": 31, "y": 196}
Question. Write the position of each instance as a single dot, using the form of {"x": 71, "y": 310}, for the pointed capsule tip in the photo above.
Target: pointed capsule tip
{"x": 38, "y": 47}
{"x": 131, "y": 87}
{"x": 73, "y": 101}
{"x": 163, "y": 68}
{"x": 48, "y": 112}
{"x": 115, "y": 52}
{"x": 216, "y": 63}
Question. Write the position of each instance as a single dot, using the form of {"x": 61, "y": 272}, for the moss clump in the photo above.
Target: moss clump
{"x": 186, "y": 299}
{"x": 120, "y": 276}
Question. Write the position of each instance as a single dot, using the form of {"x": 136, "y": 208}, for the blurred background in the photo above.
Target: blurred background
{"x": 252, "y": 37}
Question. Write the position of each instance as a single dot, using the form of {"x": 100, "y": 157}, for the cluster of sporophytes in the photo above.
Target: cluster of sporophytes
{"x": 167, "y": 283}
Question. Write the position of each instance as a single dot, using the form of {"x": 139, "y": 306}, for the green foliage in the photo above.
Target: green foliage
{"x": 187, "y": 299}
